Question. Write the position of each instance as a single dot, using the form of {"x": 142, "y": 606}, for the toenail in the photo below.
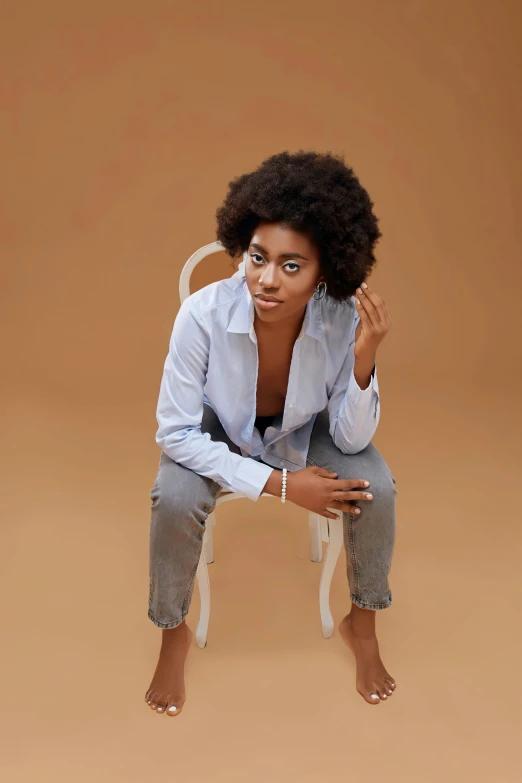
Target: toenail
{"x": 172, "y": 709}
{"x": 160, "y": 709}
{"x": 384, "y": 696}
{"x": 373, "y": 696}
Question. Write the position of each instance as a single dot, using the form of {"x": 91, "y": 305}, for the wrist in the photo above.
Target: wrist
{"x": 274, "y": 485}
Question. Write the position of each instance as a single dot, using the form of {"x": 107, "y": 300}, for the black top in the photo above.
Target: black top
{"x": 262, "y": 422}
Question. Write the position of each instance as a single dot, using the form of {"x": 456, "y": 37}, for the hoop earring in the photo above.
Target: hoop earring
{"x": 317, "y": 289}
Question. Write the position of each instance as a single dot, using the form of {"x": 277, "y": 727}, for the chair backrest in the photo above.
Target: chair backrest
{"x": 190, "y": 265}
{"x": 184, "y": 291}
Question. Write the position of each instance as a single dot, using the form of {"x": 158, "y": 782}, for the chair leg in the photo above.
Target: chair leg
{"x": 314, "y": 524}
{"x": 335, "y": 542}
{"x": 324, "y": 529}
{"x": 204, "y": 599}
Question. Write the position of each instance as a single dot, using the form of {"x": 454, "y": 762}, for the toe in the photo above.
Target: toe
{"x": 390, "y": 682}
{"x": 160, "y": 708}
{"x": 384, "y": 687}
{"x": 382, "y": 692}
{"x": 372, "y": 697}
{"x": 173, "y": 710}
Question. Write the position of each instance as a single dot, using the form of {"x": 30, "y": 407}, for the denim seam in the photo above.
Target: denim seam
{"x": 184, "y": 608}
{"x": 172, "y": 624}
{"x": 367, "y": 605}
{"x": 355, "y": 565}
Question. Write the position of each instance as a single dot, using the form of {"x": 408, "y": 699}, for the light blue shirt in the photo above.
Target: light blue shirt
{"x": 213, "y": 360}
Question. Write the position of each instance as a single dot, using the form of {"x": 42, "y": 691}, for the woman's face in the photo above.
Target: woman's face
{"x": 282, "y": 263}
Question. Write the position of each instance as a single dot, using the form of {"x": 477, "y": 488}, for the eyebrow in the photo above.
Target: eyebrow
{"x": 282, "y": 255}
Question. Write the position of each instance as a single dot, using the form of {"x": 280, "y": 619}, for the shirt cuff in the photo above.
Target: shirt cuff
{"x": 357, "y": 394}
{"x": 250, "y": 478}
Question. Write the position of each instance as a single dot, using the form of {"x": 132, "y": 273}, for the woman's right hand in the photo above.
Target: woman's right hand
{"x": 317, "y": 490}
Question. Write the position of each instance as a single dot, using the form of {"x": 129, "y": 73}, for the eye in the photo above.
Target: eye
{"x": 291, "y": 263}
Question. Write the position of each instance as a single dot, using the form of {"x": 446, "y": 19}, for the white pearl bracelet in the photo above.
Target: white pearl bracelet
{"x": 283, "y": 491}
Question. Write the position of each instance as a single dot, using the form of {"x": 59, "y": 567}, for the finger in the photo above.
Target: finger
{"x": 388, "y": 316}
{"x": 329, "y": 515}
{"x": 376, "y": 301}
{"x": 323, "y": 472}
{"x": 346, "y": 496}
{"x": 371, "y": 295}
{"x": 367, "y": 311}
{"x": 345, "y": 506}
{"x": 349, "y": 507}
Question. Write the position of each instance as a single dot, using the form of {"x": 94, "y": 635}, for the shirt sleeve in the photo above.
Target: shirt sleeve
{"x": 354, "y": 413}
{"x": 180, "y": 411}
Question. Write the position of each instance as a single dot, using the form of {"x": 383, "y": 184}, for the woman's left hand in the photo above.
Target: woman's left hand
{"x": 374, "y": 324}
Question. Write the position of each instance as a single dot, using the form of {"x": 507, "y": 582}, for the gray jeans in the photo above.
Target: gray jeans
{"x": 182, "y": 500}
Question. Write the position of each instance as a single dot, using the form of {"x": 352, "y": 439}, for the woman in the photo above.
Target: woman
{"x": 270, "y": 386}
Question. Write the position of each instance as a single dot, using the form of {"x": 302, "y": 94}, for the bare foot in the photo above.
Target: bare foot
{"x": 167, "y": 689}
{"x": 372, "y": 680}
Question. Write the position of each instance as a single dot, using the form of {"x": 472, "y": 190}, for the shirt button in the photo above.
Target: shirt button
{"x": 281, "y": 463}
{"x": 286, "y": 430}
{"x": 291, "y": 405}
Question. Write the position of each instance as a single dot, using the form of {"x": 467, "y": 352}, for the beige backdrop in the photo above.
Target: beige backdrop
{"x": 122, "y": 124}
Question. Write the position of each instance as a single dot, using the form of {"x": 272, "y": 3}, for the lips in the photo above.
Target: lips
{"x": 267, "y": 298}
{"x": 263, "y": 304}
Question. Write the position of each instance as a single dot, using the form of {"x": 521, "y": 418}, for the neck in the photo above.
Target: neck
{"x": 287, "y": 328}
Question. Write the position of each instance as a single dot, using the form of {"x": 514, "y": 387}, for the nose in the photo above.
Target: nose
{"x": 269, "y": 277}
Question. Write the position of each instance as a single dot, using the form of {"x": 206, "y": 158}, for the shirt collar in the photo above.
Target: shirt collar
{"x": 242, "y": 320}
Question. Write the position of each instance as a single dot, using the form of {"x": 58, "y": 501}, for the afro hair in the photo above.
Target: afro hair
{"x": 316, "y": 194}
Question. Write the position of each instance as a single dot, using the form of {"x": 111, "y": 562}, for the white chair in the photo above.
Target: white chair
{"x": 321, "y": 528}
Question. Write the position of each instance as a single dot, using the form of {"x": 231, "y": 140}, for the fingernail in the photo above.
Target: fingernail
{"x": 366, "y": 483}
{"x": 364, "y": 285}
